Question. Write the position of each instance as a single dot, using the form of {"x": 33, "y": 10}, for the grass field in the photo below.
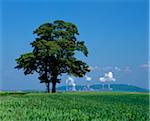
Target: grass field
{"x": 78, "y": 106}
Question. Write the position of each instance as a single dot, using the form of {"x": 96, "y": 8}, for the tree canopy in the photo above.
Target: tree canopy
{"x": 53, "y": 54}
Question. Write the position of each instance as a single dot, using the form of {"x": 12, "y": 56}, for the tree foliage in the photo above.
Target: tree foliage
{"x": 53, "y": 54}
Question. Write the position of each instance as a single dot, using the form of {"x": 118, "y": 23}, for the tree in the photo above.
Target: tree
{"x": 53, "y": 54}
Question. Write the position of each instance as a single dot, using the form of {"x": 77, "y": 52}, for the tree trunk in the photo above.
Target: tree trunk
{"x": 48, "y": 90}
{"x": 53, "y": 86}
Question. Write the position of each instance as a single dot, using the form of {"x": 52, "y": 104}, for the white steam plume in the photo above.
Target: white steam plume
{"x": 108, "y": 77}
{"x": 70, "y": 82}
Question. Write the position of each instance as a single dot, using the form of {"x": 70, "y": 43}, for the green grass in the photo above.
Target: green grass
{"x": 79, "y": 106}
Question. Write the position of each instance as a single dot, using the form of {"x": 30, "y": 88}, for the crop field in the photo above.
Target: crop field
{"x": 75, "y": 106}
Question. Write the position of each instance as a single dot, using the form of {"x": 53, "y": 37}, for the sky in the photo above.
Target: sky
{"x": 115, "y": 32}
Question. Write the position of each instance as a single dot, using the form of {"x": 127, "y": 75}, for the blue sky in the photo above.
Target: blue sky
{"x": 116, "y": 33}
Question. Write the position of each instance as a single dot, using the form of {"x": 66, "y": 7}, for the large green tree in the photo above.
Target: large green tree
{"x": 53, "y": 54}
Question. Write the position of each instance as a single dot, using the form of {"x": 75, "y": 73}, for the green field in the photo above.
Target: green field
{"x": 78, "y": 106}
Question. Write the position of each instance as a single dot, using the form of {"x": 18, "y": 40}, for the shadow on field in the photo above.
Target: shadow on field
{"x": 12, "y": 93}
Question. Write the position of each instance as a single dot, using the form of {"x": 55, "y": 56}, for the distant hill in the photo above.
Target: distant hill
{"x": 97, "y": 87}
{"x": 114, "y": 87}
